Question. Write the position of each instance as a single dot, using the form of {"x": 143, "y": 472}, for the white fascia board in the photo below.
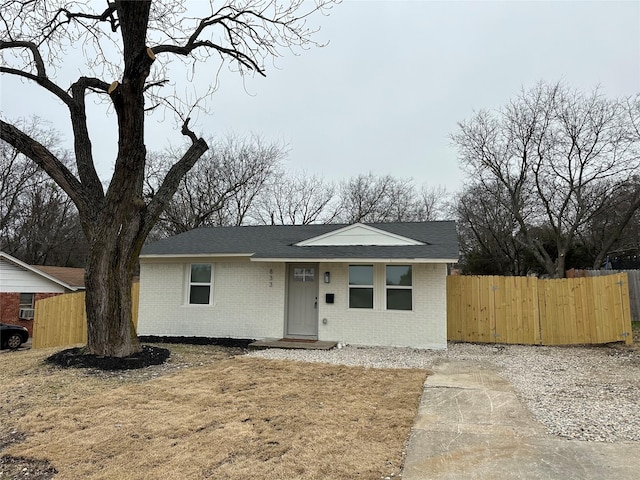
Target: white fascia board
{"x": 29, "y": 268}
{"x": 357, "y": 260}
{"x": 183, "y": 256}
{"x": 398, "y": 239}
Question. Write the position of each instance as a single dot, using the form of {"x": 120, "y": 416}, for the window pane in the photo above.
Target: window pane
{"x": 398, "y": 299}
{"x": 26, "y": 299}
{"x": 201, "y": 273}
{"x": 361, "y": 298}
{"x": 360, "y": 274}
{"x": 304, "y": 274}
{"x": 309, "y": 274}
{"x": 199, "y": 294}
{"x": 399, "y": 275}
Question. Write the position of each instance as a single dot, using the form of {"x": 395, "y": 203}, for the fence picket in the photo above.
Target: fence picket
{"x": 528, "y": 310}
{"x": 61, "y": 320}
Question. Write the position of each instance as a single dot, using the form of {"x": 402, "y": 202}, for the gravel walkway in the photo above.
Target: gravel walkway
{"x": 584, "y": 393}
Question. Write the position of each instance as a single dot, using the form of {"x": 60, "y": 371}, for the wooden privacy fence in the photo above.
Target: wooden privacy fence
{"x": 61, "y": 320}
{"x": 634, "y": 285}
{"x": 527, "y": 310}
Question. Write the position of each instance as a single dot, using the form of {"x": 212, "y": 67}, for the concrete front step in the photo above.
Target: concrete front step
{"x": 293, "y": 343}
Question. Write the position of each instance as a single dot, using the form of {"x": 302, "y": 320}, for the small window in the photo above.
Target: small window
{"x": 360, "y": 286}
{"x": 399, "y": 285}
{"x": 200, "y": 284}
{"x": 26, "y": 300}
{"x": 304, "y": 274}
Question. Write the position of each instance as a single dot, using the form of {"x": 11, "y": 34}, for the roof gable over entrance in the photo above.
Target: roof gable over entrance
{"x": 358, "y": 234}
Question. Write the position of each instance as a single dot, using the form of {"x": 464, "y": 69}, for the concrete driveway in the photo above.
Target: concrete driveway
{"x": 471, "y": 425}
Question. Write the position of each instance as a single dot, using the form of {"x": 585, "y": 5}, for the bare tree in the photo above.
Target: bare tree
{"x": 38, "y": 222}
{"x": 610, "y": 232}
{"x": 18, "y": 174}
{"x": 556, "y": 152}
{"x": 432, "y": 203}
{"x": 235, "y": 167}
{"x": 487, "y": 232}
{"x": 297, "y": 199}
{"x": 123, "y": 41}
{"x": 46, "y": 230}
{"x": 370, "y": 198}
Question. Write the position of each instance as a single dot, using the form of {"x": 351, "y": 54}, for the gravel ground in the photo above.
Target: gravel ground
{"x": 583, "y": 393}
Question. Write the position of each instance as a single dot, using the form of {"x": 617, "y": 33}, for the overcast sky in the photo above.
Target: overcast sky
{"x": 387, "y": 91}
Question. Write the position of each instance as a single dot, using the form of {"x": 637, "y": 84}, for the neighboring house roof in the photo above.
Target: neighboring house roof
{"x": 20, "y": 264}
{"x": 69, "y": 275}
{"x": 419, "y": 241}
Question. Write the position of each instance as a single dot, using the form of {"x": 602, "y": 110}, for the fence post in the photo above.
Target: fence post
{"x": 627, "y": 328}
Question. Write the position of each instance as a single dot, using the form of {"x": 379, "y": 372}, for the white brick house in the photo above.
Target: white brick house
{"x": 363, "y": 284}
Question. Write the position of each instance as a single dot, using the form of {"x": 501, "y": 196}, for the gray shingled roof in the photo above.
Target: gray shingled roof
{"x": 278, "y": 241}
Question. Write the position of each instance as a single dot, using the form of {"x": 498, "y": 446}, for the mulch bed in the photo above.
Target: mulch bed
{"x": 75, "y": 357}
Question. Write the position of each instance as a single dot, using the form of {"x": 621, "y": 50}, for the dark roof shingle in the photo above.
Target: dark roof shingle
{"x": 278, "y": 242}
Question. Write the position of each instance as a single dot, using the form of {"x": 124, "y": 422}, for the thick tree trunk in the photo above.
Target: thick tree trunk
{"x": 110, "y": 329}
{"x": 560, "y": 270}
{"x": 116, "y": 231}
{"x": 112, "y": 258}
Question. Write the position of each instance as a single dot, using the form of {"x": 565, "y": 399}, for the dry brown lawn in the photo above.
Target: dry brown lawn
{"x": 207, "y": 414}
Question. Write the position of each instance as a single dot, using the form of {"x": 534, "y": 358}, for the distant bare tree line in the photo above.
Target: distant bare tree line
{"x": 552, "y": 183}
{"x": 38, "y": 222}
{"x": 241, "y": 180}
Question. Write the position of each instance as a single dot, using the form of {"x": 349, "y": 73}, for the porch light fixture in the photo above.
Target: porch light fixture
{"x": 327, "y": 277}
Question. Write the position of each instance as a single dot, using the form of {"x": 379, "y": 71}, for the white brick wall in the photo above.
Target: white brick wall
{"x": 249, "y": 302}
{"x": 424, "y": 327}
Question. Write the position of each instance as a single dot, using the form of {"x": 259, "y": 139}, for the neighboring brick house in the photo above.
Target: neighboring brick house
{"x": 21, "y": 285}
{"x": 362, "y": 284}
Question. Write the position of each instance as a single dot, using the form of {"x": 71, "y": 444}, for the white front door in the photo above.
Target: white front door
{"x": 302, "y": 311}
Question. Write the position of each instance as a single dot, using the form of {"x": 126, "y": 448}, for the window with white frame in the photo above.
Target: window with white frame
{"x": 399, "y": 287}
{"x": 27, "y": 300}
{"x": 200, "y": 282}
{"x": 360, "y": 286}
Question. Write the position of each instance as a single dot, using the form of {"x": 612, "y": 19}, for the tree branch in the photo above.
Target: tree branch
{"x": 40, "y": 77}
{"x": 82, "y": 141}
{"x": 172, "y": 180}
{"x": 56, "y": 22}
{"x": 185, "y": 50}
{"x": 47, "y": 161}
